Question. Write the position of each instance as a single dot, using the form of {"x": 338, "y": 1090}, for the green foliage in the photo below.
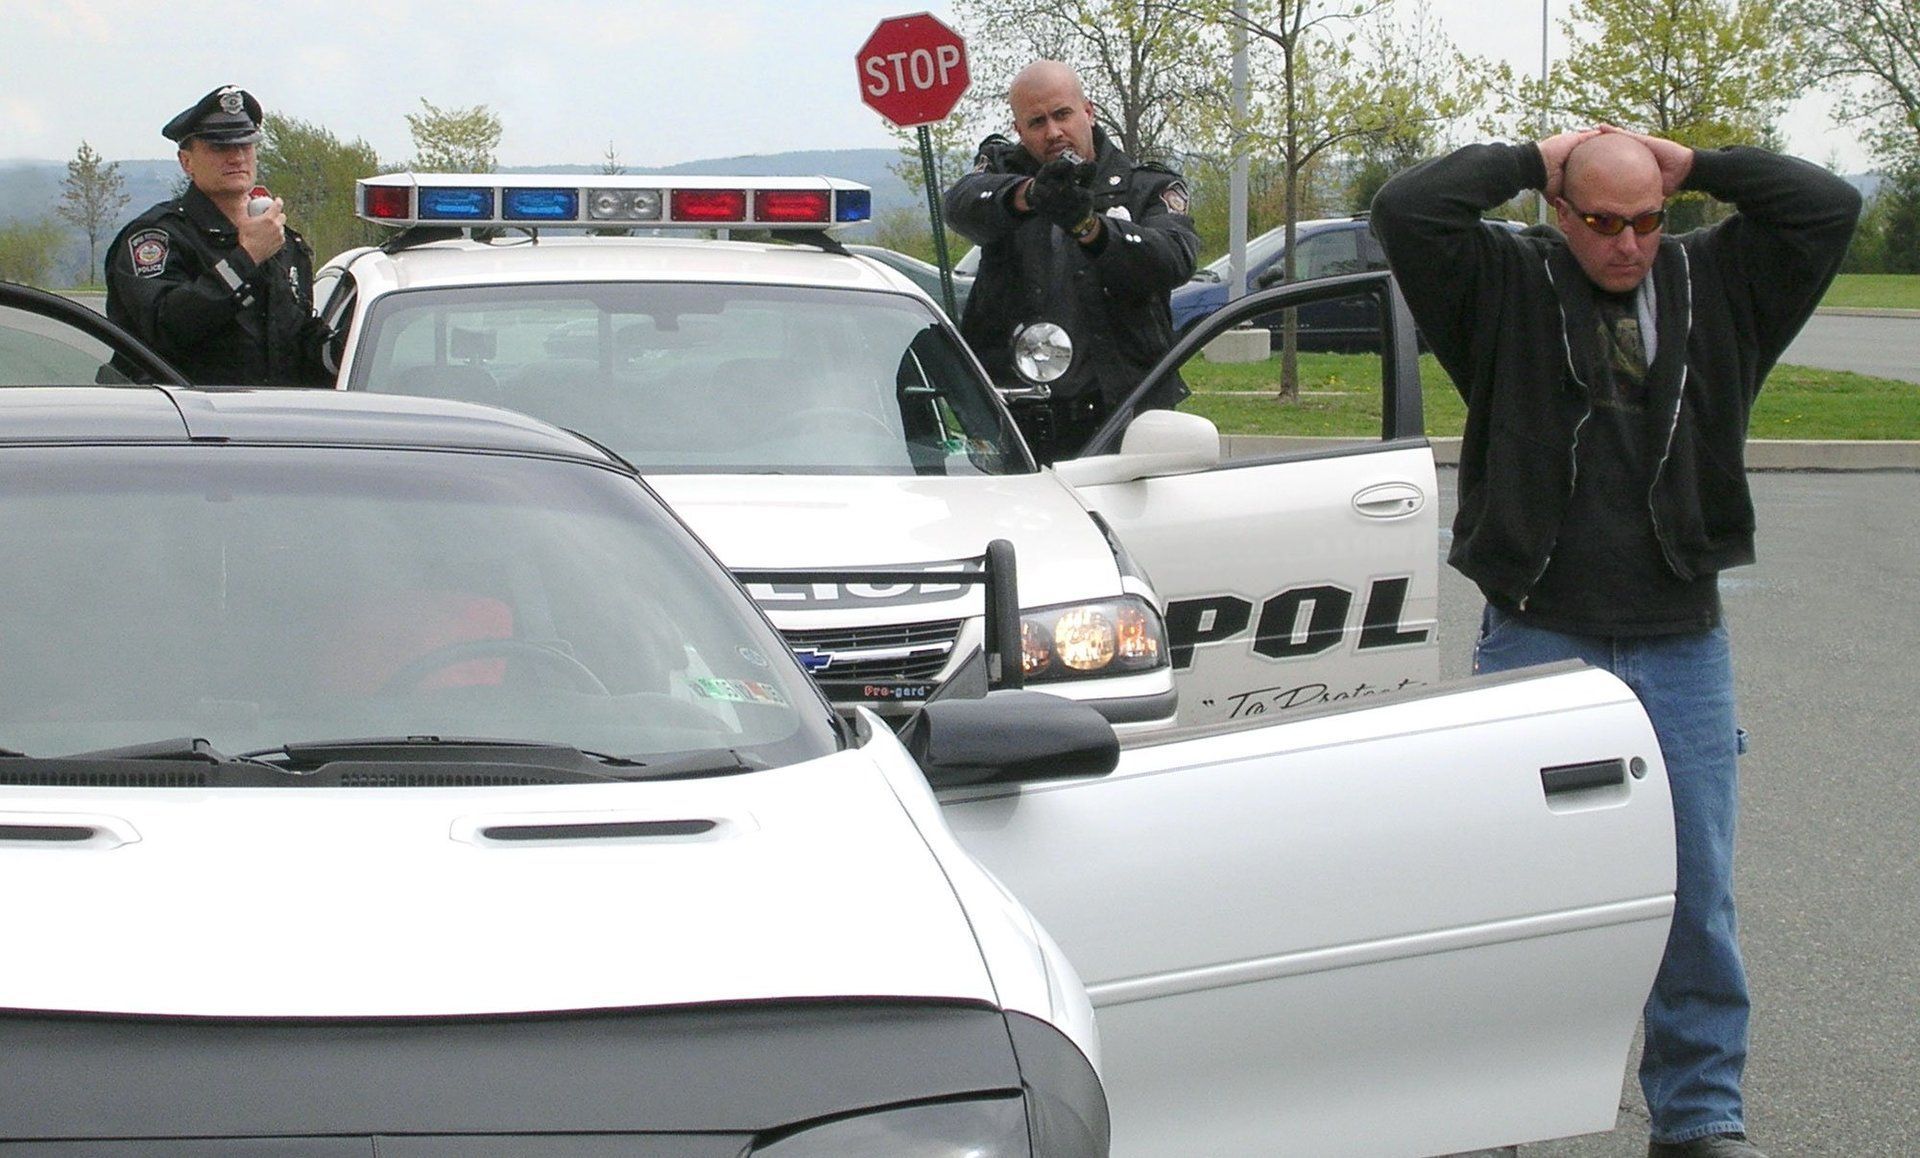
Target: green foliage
{"x": 454, "y": 140}
{"x": 1706, "y": 73}
{"x": 27, "y": 250}
{"x": 908, "y": 231}
{"x": 1888, "y": 239}
{"x": 313, "y": 171}
{"x": 1870, "y": 51}
{"x": 91, "y": 198}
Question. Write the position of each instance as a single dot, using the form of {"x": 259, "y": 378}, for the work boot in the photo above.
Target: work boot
{"x": 1711, "y": 1146}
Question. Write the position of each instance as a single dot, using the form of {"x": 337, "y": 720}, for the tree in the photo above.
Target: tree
{"x": 313, "y": 171}
{"x": 91, "y": 198}
{"x": 27, "y": 250}
{"x": 1871, "y": 48}
{"x": 1328, "y": 81}
{"x": 1438, "y": 86}
{"x": 1706, "y": 73}
{"x": 454, "y": 140}
{"x": 1149, "y": 66}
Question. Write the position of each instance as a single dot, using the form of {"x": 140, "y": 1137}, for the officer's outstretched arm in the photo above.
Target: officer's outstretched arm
{"x": 979, "y": 206}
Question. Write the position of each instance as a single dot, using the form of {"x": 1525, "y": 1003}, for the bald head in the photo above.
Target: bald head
{"x": 1610, "y": 177}
{"x": 1613, "y": 164}
{"x": 1043, "y": 75}
{"x": 1051, "y": 112}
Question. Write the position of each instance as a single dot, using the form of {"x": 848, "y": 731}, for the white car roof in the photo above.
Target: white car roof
{"x": 616, "y": 259}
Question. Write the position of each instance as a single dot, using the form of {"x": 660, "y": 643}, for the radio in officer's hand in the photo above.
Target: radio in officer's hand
{"x": 258, "y": 201}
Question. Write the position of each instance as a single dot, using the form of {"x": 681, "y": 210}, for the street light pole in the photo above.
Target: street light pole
{"x": 1543, "y": 98}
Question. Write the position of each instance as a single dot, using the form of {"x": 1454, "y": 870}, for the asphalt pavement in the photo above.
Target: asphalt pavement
{"x": 1883, "y": 343}
{"x": 1826, "y": 635}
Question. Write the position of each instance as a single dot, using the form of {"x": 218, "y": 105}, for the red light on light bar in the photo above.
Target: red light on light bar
{"x": 791, "y": 205}
{"x": 394, "y": 201}
{"x": 709, "y": 204}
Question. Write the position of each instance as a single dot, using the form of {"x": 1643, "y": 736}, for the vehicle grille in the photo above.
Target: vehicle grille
{"x": 904, "y": 651}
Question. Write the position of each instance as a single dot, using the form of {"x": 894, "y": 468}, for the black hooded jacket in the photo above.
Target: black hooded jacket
{"x": 1509, "y": 316}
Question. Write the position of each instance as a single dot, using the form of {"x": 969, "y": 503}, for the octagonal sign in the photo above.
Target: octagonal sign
{"x": 913, "y": 69}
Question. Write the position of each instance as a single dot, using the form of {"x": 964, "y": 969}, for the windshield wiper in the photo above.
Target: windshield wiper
{"x": 183, "y": 748}
{"x": 562, "y": 761}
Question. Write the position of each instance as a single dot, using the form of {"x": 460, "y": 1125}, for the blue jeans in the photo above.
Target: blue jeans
{"x": 1696, "y": 1017}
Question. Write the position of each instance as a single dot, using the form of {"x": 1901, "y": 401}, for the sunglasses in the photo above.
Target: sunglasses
{"x": 1610, "y": 224}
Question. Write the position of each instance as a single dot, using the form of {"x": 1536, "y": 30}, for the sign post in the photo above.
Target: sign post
{"x": 912, "y": 71}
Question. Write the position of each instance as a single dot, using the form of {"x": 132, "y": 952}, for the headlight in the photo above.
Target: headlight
{"x": 980, "y": 1128}
{"x": 1108, "y": 637}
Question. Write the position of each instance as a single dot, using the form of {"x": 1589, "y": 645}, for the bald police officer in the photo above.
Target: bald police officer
{"x": 225, "y": 295}
{"x": 1074, "y": 232}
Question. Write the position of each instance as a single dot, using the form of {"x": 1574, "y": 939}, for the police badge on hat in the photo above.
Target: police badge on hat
{"x": 227, "y": 116}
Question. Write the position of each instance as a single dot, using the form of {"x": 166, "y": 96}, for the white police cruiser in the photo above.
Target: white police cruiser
{"x": 395, "y": 775}
{"x": 809, "y": 411}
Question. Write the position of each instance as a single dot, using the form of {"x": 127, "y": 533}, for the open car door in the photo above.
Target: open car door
{"x": 1294, "y": 578}
{"x": 49, "y": 340}
{"x": 1421, "y": 924}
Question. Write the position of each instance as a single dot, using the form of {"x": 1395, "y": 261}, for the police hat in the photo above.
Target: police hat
{"x": 228, "y": 116}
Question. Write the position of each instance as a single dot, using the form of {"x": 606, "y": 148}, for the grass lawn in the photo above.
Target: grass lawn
{"x": 1875, "y": 291}
{"x": 1340, "y": 396}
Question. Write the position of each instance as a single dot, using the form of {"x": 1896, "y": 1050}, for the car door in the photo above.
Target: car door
{"x": 1300, "y": 573}
{"x": 49, "y": 340}
{"x": 1421, "y": 925}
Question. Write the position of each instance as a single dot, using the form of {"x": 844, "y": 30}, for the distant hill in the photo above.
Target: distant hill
{"x": 31, "y": 189}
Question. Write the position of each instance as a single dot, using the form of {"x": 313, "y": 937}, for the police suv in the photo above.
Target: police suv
{"x": 819, "y": 422}
{"x": 388, "y": 775}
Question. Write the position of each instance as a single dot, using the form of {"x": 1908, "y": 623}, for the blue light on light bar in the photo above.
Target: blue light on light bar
{"x": 853, "y": 205}
{"x": 540, "y": 204}
{"x": 446, "y": 204}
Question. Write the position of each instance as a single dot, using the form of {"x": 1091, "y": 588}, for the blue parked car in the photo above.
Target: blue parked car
{"x": 1328, "y": 247}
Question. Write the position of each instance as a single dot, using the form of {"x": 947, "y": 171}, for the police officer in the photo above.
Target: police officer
{"x": 1074, "y": 232}
{"x": 224, "y": 295}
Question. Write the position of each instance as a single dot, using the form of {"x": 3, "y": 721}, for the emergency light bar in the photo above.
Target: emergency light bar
{"x": 484, "y": 199}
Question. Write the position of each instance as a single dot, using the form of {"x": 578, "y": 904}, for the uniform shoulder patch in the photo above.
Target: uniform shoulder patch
{"x": 1174, "y": 196}
{"x": 149, "y": 249}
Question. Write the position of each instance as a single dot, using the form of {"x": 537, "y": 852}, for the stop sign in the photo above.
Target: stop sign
{"x": 912, "y": 69}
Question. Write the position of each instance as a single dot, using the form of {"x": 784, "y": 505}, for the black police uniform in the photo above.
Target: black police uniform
{"x": 1110, "y": 296}
{"x": 179, "y": 280}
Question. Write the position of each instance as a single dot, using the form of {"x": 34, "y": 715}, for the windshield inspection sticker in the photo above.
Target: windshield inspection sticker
{"x": 738, "y": 691}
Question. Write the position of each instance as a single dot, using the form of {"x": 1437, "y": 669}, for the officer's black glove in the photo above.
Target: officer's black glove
{"x": 1060, "y": 195}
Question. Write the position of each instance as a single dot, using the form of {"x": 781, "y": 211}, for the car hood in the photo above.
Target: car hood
{"x": 816, "y": 521}
{"x": 294, "y": 902}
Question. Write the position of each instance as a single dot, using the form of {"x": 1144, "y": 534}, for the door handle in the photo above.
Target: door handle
{"x": 1391, "y": 500}
{"x": 1591, "y": 774}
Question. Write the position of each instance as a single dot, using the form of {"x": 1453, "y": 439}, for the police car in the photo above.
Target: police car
{"x": 397, "y": 774}
{"x": 806, "y": 410}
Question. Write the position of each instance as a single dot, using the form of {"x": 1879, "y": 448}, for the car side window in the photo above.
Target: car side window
{"x": 1329, "y": 254}
{"x": 37, "y": 352}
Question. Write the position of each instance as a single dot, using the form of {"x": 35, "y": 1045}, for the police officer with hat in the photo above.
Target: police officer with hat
{"x": 214, "y": 280}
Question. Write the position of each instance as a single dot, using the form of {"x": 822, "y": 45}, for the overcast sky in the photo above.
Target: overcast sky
{"x": 663, "y": 81}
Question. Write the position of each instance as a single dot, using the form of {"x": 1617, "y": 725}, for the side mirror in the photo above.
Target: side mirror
{"x": 1157, "y": 442}
{"x": 1009, "y": 738}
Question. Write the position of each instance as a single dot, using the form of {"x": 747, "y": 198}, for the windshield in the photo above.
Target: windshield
{"x": 1260, "y": 250}
{"x": 257, "y": 597}
{"x": 710, "y": 378}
